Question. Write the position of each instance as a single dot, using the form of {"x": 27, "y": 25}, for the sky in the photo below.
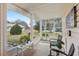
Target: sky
{"x": 13, "y": 16}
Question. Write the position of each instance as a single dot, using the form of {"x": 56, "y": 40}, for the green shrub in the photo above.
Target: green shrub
{"x": 24, "y": 39}
{"x": 13, "y": 42}
{"x": 44, "y": 33}
{"x": 16, "y": 30}
{"x": 36, "y": 26}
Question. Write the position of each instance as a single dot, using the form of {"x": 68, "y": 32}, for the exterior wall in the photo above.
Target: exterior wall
{"x": 74, "y": 39}
{"x": 74, "y": 36}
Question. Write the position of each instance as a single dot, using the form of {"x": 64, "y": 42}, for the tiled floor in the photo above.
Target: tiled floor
{"x": 42, "y": 49}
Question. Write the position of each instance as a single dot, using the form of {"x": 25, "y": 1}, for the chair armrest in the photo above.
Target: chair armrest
{"x": 59, "y": 51}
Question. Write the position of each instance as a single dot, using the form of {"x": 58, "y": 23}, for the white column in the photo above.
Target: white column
{"x": 45, "y": 28}
{"x": 50, "y": 25}
{"x": 64, "y": 33}
{"x": 54, "y": 28}
{"x": 40, "y": 29}
{"x": 31, "y": 29}
{"x": 3, "y": 18}
{"x": 54, "y": 23}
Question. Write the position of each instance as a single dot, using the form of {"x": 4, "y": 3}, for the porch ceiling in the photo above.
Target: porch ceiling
{"x": 45, "y": 10}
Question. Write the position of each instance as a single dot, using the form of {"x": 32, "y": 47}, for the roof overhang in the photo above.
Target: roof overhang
{"x": 42, "y": 10}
